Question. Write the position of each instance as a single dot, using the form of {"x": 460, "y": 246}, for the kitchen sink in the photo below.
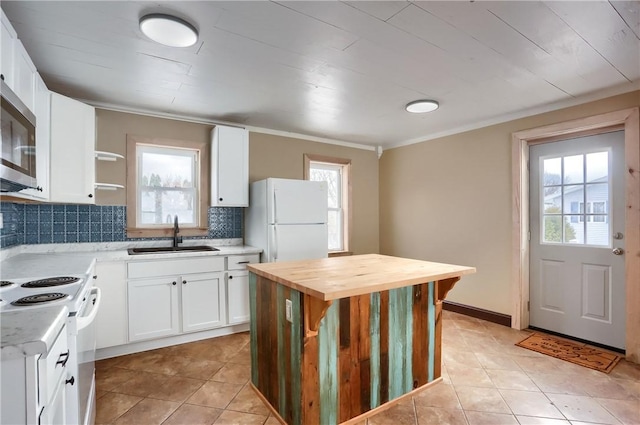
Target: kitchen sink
{"x": 169, "y": 249}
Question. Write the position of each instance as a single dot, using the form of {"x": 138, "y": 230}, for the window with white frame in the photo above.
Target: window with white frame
{"x": 334, "y": 171}
{"x": 166, "y": 179}
{"x": 167, "y": 186}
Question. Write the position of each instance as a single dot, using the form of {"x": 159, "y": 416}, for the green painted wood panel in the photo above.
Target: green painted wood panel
{"x": 400, "y": 341}
{"x": 253, "y": 334}
{"x": 328, "y": 365}
{"x": 407, "y": 358}
{"x": 374, "y": 329}
{"x": 431, "y": 313}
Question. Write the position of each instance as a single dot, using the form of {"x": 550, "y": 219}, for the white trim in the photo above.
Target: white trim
{"x": 554, "y": 106}
{"x": 166, "y": 115}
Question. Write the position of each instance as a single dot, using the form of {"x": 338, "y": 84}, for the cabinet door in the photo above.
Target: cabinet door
{"x": 230, "y": 167}
{"x": 42, "y": 110}
{"x": 24, "y": 75}
{"x": 7, "y": 37}
{"x": 238, "y": 296}
{"x": 54, "y": 413}
{"x": 202, "y": 301}
{"x": 153, "y": 308}
{"x": 73, "y": 138}
{"x": 111, "y": 321}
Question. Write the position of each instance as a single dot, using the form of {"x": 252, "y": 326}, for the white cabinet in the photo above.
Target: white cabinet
{"x": 72, "y": 151}
{"x": 238, "y": 296}
{"x": 8, "y": 38}
{"x": 202, "y": 306}
{"x": 175, "y": 296}
{"x": 24, "y": 75}
{"x": 42, "y": 110}
{"x": 229, "y": 167}
{"x": 238, "y": 287}
{"x": 153, "y": 308}
{"x": 111, "y": 321}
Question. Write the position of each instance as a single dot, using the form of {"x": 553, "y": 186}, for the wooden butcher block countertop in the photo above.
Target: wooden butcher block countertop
{"x": 342, "y": 277}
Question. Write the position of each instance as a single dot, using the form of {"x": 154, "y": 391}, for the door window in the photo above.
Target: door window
{"x": 575, "y": 200}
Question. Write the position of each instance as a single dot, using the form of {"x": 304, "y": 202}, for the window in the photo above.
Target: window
{"x": 335, "y": 171}
{"x": 575, "y": 198}
{"x": 166, "y": 178}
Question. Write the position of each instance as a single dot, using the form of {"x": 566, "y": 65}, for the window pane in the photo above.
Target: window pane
{"x": 573, "y": 169}
{"x": 573, "y": 196}
{"x": 552, "y": 226}
{"x": 573, "y": 229}
{"x": 552, "y": 171}
{"x": 334, "y": 227}
{"x": 332, "y": 177}
{"x": 159, "y": 206}
{"x": 598, "y": 166}
{"x": 598, "y": 231}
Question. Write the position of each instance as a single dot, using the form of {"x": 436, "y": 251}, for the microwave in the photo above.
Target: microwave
{"x": 18, "y": 132}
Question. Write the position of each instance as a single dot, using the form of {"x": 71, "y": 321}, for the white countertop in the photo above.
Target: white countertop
{"x": 30, "y": 332}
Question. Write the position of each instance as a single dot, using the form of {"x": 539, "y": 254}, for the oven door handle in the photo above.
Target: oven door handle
{"x": 83, "y": 322}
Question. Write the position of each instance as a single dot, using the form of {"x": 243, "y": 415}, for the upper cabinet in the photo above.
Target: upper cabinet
{"x": 24, "y": 75}
{"x": 42, "y": 109}
{"x": 8, "y": 38}
{"x": 73, "y": 139}
{"x": 229, "y": 167}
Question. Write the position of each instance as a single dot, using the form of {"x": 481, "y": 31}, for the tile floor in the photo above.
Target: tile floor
{"x": 486, "y": 380}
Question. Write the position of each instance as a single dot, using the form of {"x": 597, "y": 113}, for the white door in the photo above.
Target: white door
{"x": 238, "y": 296}
{"x": 293, "y": 242}
{"x": 153, "y": 308}
{"x": 201, "y": 301}
{"x": 298, "y": 202}
{"x": 577, "y": 274}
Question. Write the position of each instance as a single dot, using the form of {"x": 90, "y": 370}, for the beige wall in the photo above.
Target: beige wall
{"x": 276, "y": 156}
{"x": 449, "y": 200}
{"x": 269, "y": 156}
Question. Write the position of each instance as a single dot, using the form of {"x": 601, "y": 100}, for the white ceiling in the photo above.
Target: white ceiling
{"x": 339, "y": 70}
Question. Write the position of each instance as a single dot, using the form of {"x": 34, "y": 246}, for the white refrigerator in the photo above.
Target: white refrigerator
{"x": 287, "y": 219}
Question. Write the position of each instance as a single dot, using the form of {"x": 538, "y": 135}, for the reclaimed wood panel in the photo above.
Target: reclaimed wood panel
{"x": 253, "y": 333}
{"x": 374, "y": 364}
{"x": 328, "y": 365}
{"x": 431, "y": 318}
{"x": 420, "y": 335}
{"x": 296, "y": 357}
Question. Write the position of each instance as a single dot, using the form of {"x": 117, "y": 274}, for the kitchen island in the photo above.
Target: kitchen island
{"x": 336, "y": 340}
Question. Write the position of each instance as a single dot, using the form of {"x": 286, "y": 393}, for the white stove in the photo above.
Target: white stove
{"x": 34, "y": 292}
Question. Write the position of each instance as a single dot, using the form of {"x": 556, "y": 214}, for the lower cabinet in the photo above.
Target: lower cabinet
{"x": 238, "y": 296}
{"x": 191, "y": 299}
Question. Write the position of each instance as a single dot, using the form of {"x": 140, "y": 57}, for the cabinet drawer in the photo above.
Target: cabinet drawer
{"x": 179, "y": 267}
{"x": 53, "y": 366}
{"x": 239, "y": 262}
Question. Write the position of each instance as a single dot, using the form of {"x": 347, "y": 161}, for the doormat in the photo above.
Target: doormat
{"x": 573, "y": 352}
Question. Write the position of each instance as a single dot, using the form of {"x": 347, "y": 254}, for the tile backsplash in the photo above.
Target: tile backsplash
{"x": 46, "y": 223}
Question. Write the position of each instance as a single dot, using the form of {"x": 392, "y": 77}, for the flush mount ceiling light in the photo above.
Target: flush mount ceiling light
{"x": 168, "y": 30}
{"x": 422, "y": 106}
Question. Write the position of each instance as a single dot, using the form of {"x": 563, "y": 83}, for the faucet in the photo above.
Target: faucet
{"x": 176, "y": 239}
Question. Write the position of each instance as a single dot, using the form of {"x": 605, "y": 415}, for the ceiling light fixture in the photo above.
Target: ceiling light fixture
{"x": 168, "y": 30}
{"x": 422, "y": 106}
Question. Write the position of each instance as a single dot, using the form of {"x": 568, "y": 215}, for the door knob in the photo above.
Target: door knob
{"x": 618, "y": 251}
{"x": 617, "y": 235}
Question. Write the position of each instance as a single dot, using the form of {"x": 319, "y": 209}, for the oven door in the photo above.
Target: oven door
{"x": 86, "y": 358}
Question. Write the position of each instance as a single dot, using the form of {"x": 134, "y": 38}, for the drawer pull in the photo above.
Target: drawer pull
{"x": 70, "y": 381}
{"x": 243, "y": 262}
{"x": 63, "y": 358}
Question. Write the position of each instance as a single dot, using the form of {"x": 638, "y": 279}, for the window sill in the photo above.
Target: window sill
{"x": 340, "y": 253}
{"x": 165, "y": 232}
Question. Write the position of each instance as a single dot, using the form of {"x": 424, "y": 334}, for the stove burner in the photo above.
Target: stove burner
{"x": 50, "y": 281}
{"x": 39, "y": 298}
{"x": 5, "y": 283}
